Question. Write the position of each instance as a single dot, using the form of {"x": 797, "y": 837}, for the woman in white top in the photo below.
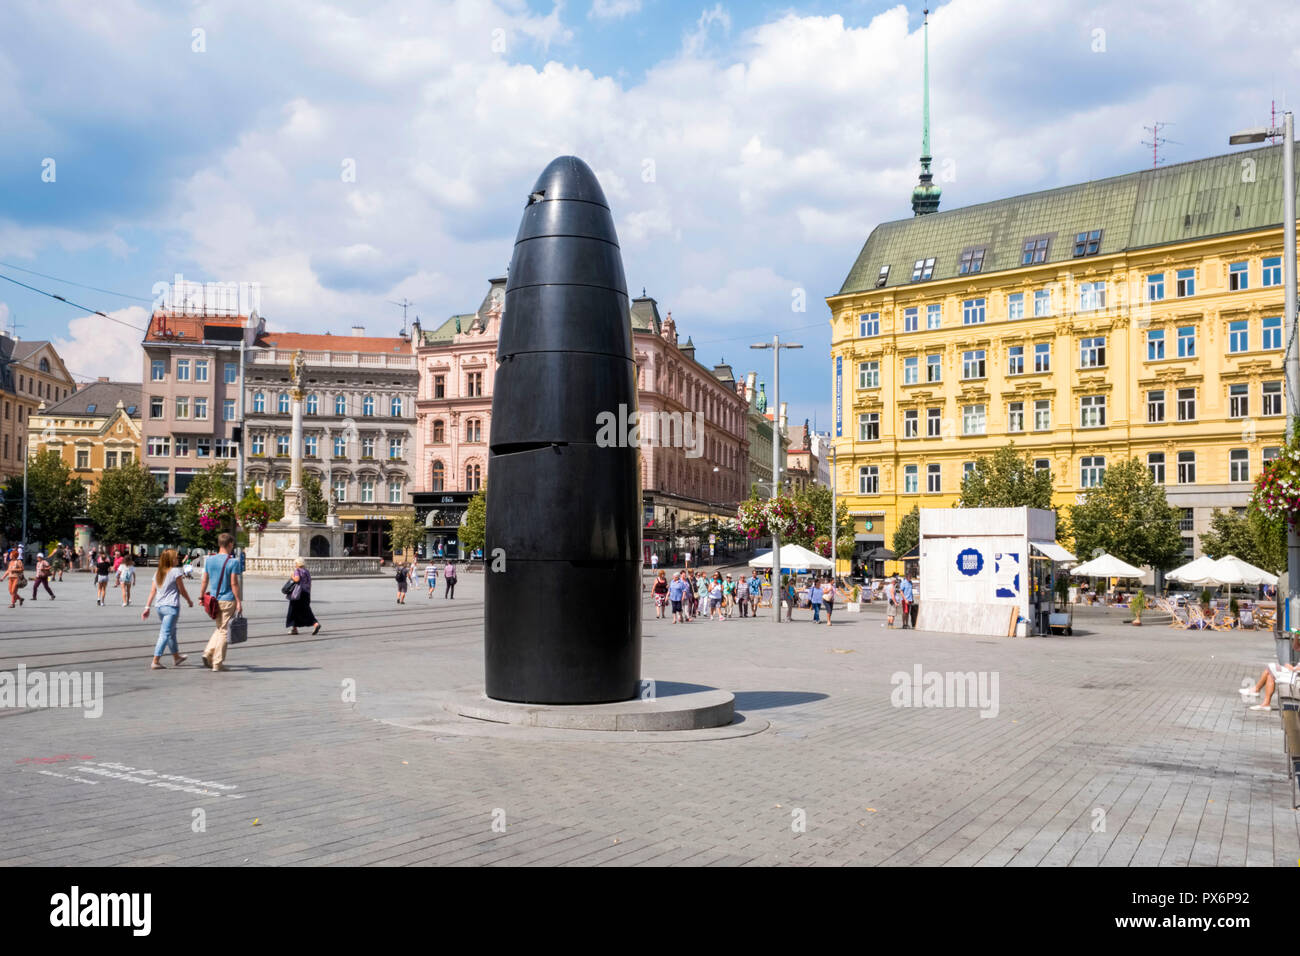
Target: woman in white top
{"x": 169, "y": 588}
{"x": 126, "y": 577}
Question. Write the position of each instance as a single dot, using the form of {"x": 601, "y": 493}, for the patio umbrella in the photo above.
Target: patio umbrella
{"x": 1228, "y": 570}
{"x": 1193, "y": 572}
{"x": 795, "y": 558}
{"x": 1106, "y": 566}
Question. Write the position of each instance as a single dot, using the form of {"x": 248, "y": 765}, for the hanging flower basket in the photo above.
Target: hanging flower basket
{"x": 214, "y": 514}
{"x": 1277, "y": 489}
{"x": 254, "y": 515}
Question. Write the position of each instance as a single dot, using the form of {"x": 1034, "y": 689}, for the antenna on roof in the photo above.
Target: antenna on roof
{"x": 405, "y": 304}
{"x": 1157, "y": 141}
{"x": 14, "y": 325}
{"x": 1273, "y": 125}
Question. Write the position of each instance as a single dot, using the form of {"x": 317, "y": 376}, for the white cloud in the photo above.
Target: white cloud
{"x": 613, "y": 9}
{"x": 95, "y": 346}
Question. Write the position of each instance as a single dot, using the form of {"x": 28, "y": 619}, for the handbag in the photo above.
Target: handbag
{"x": 237, "y": 629}
{"x": 209, "y": 601}
{"x": 287, "y": 586}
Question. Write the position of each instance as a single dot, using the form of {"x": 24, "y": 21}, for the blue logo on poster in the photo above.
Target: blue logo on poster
{"x": 970, "y": 562}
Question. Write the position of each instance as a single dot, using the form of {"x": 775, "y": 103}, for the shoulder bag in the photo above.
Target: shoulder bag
{"x": 209, "y": 600}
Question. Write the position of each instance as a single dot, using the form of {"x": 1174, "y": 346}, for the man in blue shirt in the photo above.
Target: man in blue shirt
{"x": 676, "y": 591}
{"x": 907, "y": 600}
{"x": 223, "y": 579}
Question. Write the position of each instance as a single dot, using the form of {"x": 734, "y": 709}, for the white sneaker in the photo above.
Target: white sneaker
{"x": 1249, "y": 692}
{"x": 1260, "y": 707}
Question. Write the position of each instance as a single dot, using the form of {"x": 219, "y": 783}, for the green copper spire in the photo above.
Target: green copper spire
{"x": 925, "y": 197}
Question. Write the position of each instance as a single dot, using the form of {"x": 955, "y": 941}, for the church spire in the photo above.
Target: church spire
{"x": 925, "y": 197}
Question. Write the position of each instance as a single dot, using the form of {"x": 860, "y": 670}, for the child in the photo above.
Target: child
{"x": 126, "y": 577}
{"x": 431, "y": 576}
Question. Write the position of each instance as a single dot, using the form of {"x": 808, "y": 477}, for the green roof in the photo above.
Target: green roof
{"x": 645, "y": 315}
{"x": 1236, "y": 192}
{"x": 445, "y": 332}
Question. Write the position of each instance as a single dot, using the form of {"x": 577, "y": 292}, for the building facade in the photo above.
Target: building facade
{"x": 95, "y": 429}
{"x": 358, "y": 426}
{"x": 1136, "y": 316}
{"x": 758, "y": 432}
{"x": 30, "y": 373}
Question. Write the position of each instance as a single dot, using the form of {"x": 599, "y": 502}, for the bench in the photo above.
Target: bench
{"x": 1288, "y": 702}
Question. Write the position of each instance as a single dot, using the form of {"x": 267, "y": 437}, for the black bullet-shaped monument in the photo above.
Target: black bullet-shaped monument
{"x": 563, "y": 542}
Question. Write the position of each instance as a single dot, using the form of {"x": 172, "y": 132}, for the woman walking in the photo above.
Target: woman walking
{"x": 300, "y": 612}
{"x": 102, "y": 567}
{"x": 126, "y": 577}
{"x": 165, "y": 594}
{"x": 14, "y": 575}
{"x": 43, "y": 572}
{"x": 828, "y": 598}
{"x": 660, "y": 590}
{"x": 449, "y": 574}
{"x": 402, "y": 574}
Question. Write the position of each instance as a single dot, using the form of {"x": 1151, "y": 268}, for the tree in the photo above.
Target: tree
{"x": 818, "y": 499}
{"x": 1127, "y": 516}
{"x": 1006, "y": 479}
{"x": 1253, "y": 537}
{"x": 908, "y": 533}
{"x": 55, "y": 499}
{"x": 215, "y": 484}
{"x": 128, "y": 506}
{"x": 473, "y": 530}
{"x": 406, "y": 533}
{"x": 313, "y": 500}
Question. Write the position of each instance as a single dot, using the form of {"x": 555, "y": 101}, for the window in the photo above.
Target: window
{"x": 911, "y": 319}
{"x": 438, "y": 476}
{"x": 1016, "y": 305}
{"x": 966, "y": 468}
{"x": 367, "y": 490}
{"x": 1186, "y": 283}
{"x": 473, "y": 430}
{"x": 1155, "y": 287}
{"x": 341, "y": 489}
{"x": 911, "y": 423}
{"x": 1187, "y": 467}
{"x": 1034, "y": 250}
{"x": 1155, "y": 345}
{"x": 228, "y": 410}
{"x": 1016, "y": 360}
{"x": 368, "y": 447}
{"x": 1272, "y": 271}
{"x": 972, "y": 364}
{"x": 1272, "y": 326}
{"x": 971, "y": 261}
{"x": 1016, "y": 417}
{"x": 923, "y": 269}
{"x": 1092, "y": 411}
{"x": 1239, "y": 464}
{"x": 1087, "y": 243}
{"x": 1238, "y": 336}
{"x": 156, "y": 406}
{"x": 182, "y": 370}
{"x": 868, "y": 375}
{"x": 1187, "y": 404}
{"x": 883, "y": 277}
{"x": 473, "y": 477}
{"x": 282, "y": 445}
{"x": 972, "y": 420}
{"x": 1271, "y": 453}
{"x": 1156, "y": 465}
{"x": 1043, "y": 415}
{"x": 259, "y": 445}
{"x": 309, "y": 446}
{"x": 157, "y": 370}
{"x": 110, "y": 459}
{"x": 911, "y": 370}
{"x": 934, "y": 316}
{"x": 869, "y": 426}
{"x": 869, "y": 480}
{"x": 933, "y": 368}
{"x": 933, "y": 422}
{"x": 440, "y": 386}
{"x": 157, "y": 447}
{"x": 439, "y": 432}
{"x": 1238, "y": 276}
{"x": 1042, "y": 302}
{"x": 911, "y": 480}
{"x": 282, "y": 403}
{"x": 182, "y": 446}
{"x": 1272, "y": 398}
{"x": 259, "y": 402}
{"x": 340, "y": 405}
{"x": 230, "y": 373}
{"x": 1238, "y": 401}
{"x": 933, "y": 479}
{"x": 340, "y": 446}
{"x": 395, "y": 403}
{"x": 83, "y": 459}
{"x": 1042, "y": 464}
{"x": 368, "y": 406}
{"x": 1092, "y": 296}
{"x": 394, "y": 448}
{"x": 183, "y": 407}
{"x": 868, "y": 324}
{"x": 1043, "y": 357}
{"x": 1092, "y": 352}
{"x": 1155, "y": 406}
{"x": 395, "y": 492}
{"x": 1092, "y": 471}
{"x": 200, "y": 370}
{"x": 972, "y": 312}
{"x": 313, "y": 404}
{"x": 1187, "y": 341}
{"x": 474, "y": 384}
{"x": 201, "y": 409}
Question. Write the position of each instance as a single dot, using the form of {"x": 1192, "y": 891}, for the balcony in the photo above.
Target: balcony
{"x": 339, "y": 359}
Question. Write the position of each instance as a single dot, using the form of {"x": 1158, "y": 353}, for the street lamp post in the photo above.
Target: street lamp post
{"x": 835, "y": 554}
{"x": 776, "y": 346}
{"x": 1292, "y": 360}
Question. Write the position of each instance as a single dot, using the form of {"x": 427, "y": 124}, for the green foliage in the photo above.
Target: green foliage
{"x": 1205, "y": 597}
{"x": 1138, "y": 604}
{"x": 128, "y": 506}
{"x": 252, "y": 510}
{"x": 818, "y": 498}
{"x": 1006, "y": 479}
{"x": 1128, "y": 516}
{"x": 908, "y": 533}
{"x": 216, "y": 483}
{"x": 55, "y": 498}
{"x": 317, "y": 507}
{"x": 474, "y": 529}
{"x": 1253, "y": 537}
{"x": 406, "y": 533}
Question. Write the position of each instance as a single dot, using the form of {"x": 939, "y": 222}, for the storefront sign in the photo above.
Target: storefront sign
{"x": 970, "y": 562}
{"x": 839, "y": 396}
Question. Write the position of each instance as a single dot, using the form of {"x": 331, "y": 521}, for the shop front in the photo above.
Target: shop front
{"x": 441, "y": 513}
{"x": 366, "y": 535}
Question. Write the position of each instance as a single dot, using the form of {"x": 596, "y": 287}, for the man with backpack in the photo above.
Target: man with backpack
{"x": 449, "y": 573}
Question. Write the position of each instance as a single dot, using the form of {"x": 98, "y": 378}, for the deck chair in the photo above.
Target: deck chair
{"x": 1222, "y": 621}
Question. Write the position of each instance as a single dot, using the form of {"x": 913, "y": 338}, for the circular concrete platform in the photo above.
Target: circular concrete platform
{"x": 699, "y": 710}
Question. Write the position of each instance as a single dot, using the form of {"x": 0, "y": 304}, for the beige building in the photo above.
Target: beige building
{"x": 95, "y": 429}
{"x": 30, "y": 373}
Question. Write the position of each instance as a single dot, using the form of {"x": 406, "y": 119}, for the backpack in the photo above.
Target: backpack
{"x": 400, "y": 576}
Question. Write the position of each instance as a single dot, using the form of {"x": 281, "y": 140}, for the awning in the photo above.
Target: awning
{"x": 868, "y": 538}
{"x": 1054, "y": 551}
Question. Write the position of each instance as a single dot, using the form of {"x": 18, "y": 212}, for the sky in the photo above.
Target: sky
{"x": 347, "y": 156}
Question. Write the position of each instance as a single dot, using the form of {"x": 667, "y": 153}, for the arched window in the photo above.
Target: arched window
{"x": 473, "y": 477}
{"x": 439, "y": 477}
{"x": 340, "y": 405}
{"x": 45, "y": 365}
{"x": 395, "y": 406}
{"x": 439, "y": 432}
{"x": 259, "y": 402}
{"x": 282, "y": 403}
{"x": 473, "y": 430}
{"x": 368, "y": 405}
{"x": 313, "y": 404}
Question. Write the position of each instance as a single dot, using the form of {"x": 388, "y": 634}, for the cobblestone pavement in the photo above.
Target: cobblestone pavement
{"x": 1116, "y": 746}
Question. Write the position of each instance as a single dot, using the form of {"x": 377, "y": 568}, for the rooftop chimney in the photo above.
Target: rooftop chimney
{"x": 103, "y": 378}
{"x": 359, "y": 331}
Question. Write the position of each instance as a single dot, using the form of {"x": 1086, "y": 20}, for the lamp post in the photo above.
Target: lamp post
{"x": 776, "y": 345}
{"x": 1291, "y": 365}
{"x": 835, "y": 554}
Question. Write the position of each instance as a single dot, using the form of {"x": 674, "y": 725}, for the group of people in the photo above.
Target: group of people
{"x": 222, "y": 581}
{"x": 691, "y": 594}
{"x": 46, "y": 570}
{"x": 900, "y": 594}
{"x": 407, "y": 573}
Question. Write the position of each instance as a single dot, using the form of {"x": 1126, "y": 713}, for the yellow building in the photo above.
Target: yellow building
{"x": 1136, "y": 316}
{"x": 95, "y": 428}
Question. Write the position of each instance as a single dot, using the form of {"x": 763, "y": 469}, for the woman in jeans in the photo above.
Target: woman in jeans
{"x": 168, "y": 588}
{"x": 300, "y": 613}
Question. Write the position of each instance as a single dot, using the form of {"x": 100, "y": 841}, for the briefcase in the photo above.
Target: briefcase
{"x": 237, "y": 629}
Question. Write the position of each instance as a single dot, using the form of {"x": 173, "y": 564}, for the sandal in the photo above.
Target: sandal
{"x": 315, "y": 630}
{"x": 155, "y": 666}
{"x": 178, "y": 661}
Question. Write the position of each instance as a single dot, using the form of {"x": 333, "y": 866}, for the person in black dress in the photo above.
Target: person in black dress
{"x": 300, "y": 613}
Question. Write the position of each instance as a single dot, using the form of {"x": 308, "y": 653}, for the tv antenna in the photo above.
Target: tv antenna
{"x": 405, "y": 304}
{"x": 1157, "y": 141}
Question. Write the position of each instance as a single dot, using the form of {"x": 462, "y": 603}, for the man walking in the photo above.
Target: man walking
{"x": 906, "y": 590}
{"x": 223, "y": 580}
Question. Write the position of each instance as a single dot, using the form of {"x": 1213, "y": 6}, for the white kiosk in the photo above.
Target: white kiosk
{"x": 988, "y": 570}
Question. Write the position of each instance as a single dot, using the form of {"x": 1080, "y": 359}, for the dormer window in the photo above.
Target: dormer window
{"x": 971, "y": 261}
{"x": 883, "y": 277}
{"x": 923, "y": 269}
{"x": 1035, "y": 250}
{"x": 1087, "y": 243}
